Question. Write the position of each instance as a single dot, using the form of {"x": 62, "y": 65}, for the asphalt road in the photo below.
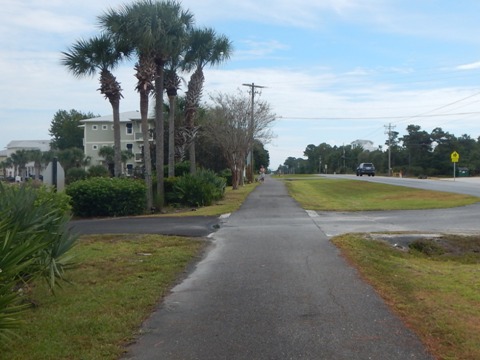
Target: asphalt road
{"x": 461, "y": 185}
{"x": 191, "y": 226}
{"x": 274, "y": 287}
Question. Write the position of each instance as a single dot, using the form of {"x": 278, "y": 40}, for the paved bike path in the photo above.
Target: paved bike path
{"x": 273, "y": 287}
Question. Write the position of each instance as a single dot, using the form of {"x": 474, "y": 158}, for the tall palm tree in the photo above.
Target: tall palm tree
{"x": 172, "y": 84}
{"x": 100, "y": 54}
{"x": 119, "y": 23}
{"x": 156, "y": 29}
{"x": 205, "y": 48}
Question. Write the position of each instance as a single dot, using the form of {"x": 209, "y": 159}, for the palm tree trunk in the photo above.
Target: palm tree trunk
{"x": 147, "y": 161}
{"x": 194, "y": 94}
{"x": 192, "y": 156}
{"x": 117, "y": 151}
{"x": 159, "y": 132}
{"x": 171, "y": 137}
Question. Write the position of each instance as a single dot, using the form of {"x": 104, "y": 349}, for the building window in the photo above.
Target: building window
{"x": 95, "y": 147}
{"x": 104, "y": 127}
{"x": 129, "y": 169}
{"x": 94, "y": 127}
{"x": 129, "y": 128}
{"x": 130, "y": 148}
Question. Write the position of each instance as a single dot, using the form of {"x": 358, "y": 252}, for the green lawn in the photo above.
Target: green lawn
{"x": 117, "y": 283}
{"x": 351, "y": 195}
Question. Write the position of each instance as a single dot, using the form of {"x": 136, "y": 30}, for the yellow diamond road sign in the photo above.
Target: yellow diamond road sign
{"x": 455, "y": 156}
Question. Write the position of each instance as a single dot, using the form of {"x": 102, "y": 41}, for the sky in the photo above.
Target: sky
{"x": 333, "y": 71}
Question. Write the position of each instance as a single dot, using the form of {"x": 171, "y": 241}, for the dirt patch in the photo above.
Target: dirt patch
{"x": 450, "y": 245}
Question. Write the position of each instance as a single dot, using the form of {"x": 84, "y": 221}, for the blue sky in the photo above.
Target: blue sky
{"x": 334, "y": 70}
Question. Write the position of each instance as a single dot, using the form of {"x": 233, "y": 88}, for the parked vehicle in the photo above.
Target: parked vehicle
{"x": 366, "y": 169}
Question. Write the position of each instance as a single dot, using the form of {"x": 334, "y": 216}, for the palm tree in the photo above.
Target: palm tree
{"x": 72, "y": 158}
{"x": 20, "y": 160}
{"x": 36, "y": 156}
{"x": 126, "y": 155}
{"x": 156, "y": 29}
{"x": 108, "y": 154}
{"x": 6, "y": 164}
{"x": 100, "y": 54}
{"x": 172, "y": 84}
{"x": 205, "y": 48}
{"x": 118, "y": 25}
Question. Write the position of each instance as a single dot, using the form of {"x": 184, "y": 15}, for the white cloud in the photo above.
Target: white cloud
{"x": 471, "y": 66}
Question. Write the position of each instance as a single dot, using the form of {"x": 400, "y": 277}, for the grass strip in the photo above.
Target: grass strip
{"x": 232, "y": 201}
{"x": 117, "y": 284}
{"x": 350, "y": 195}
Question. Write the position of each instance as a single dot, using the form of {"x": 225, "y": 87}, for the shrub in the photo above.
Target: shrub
{"x": 75, "y": 174}
{"x": 61, "y": 201}
{"x": 427, "y": 247}
{"x": 182, "y": 168}
{"x": 34, "y": 240}
{"x": 101, "y": 196}
{"x": 227, "y": 175}
{"x": 200, "y": 189}
{"x": 170, "y": 195}
{"x": 98, "y": 171}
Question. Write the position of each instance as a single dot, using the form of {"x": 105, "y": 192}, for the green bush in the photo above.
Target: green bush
{"x": 227, "y": 174}
{"x": 101, "y": 196}
{"x": 98, "y": 171}
{"x": 182, "y": 168}
{"x": 34, "y": 241}
{"x": 169, "y": 186}
{"x": 200, "y": 189}
{"x": 427, "y": 247}
{"x": 61, "y": 201}
{"x": 75, "y": 174}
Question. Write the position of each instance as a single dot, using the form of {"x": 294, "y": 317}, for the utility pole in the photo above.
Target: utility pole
{"x": 253, "y": 91}
{"x": 388, "y": 130}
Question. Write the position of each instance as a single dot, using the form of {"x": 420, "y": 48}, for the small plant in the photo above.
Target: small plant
{"x": 98, "y": 171}
{"x": 201, "y": 189}
{"x": 75, "y": 174}
{"x": 101, "y": 196}
{"x": 34, "y": 241}
{"x": 427, "y": 246}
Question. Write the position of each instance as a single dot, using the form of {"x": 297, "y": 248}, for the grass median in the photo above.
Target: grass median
{"x": 323, "y": 194}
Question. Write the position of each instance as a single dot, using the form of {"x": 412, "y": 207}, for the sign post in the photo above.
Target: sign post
{"x": 455, "y": 157}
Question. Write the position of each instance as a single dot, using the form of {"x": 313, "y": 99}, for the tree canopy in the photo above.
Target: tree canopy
{"x": 65, "y": 129}
{"x": 416, "y": 153}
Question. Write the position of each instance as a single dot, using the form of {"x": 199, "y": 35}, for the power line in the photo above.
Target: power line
{"x": 375, "y": 117}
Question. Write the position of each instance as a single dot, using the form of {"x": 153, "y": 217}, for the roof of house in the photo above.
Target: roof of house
{"x": 124, "y": 117}
{"x": 43, "y": 145}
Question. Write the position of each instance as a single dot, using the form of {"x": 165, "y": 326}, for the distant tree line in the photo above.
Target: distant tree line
{"x": 416, "y": 153}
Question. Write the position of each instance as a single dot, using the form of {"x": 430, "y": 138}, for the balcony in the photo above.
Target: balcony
{"x": 138, "y": 136}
